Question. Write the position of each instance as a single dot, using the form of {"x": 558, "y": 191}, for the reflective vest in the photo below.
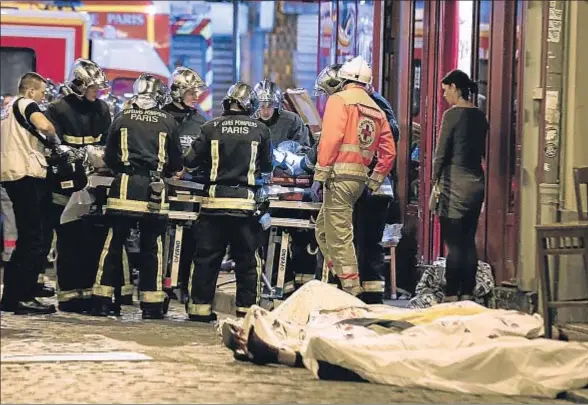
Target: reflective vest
{"x": 355, "y": 132}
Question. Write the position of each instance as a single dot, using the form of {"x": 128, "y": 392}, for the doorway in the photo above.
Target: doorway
{"x": 482, "y": 38}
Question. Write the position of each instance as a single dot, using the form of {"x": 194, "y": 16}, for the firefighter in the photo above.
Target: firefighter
{"x": 143, "y": 147}
{"x": 185, "y": 87}
{"x": 81, "y": 119}
{"x": 235, "y": 153}
{"x": 132, "y": 248}
{"x": 355, "y": 131}
{"x": 284, "y": 125}
{"x": 287, "y": 126}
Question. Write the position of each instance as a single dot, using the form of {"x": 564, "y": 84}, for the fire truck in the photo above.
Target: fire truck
{"x": 49, "y": 40}
{"x": 46, "y": 42}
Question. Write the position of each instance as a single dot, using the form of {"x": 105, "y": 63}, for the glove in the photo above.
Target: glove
{"x": 53, "y": 140}
{"x": 67, "y": 153}
{"x": 316, "y": 191}
{"x": 95, "y": 156}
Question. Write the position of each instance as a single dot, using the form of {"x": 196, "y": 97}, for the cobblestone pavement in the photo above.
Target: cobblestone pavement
{"x": 189, "y": 366}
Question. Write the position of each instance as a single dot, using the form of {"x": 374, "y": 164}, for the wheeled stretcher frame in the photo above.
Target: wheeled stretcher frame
{"x": 280, "y": 235}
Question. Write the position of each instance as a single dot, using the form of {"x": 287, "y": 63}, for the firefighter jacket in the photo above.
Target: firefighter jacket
{"x": 142, "y": 147}
{"x": 80, "y": 122}
{"x": 287, "y": 126}
{"x": 189, "y": 121}
{"x": 233, "y": 151}
{"x": 354, "y": 131}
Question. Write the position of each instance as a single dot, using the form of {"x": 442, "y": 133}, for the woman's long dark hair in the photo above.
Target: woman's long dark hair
{"x": 462, "y": 82}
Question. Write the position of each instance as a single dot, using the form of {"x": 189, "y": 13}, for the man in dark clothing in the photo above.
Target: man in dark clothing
{"x": 25, "y": 135}
{"x": 185, "y": 87}
{"x": 283, "y": 125}
{"x": 234, "y": 152}
{"x": 81, "y": 119}
{"x": 287, "y": 126}
{"x": 371, "y": 209}
{"x": 143, "y": 147}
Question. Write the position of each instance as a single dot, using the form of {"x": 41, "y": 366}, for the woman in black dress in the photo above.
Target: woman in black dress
{"x": 457, "y": 170}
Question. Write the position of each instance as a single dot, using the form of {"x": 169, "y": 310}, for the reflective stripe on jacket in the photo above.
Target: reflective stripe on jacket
{"x": 355, "y": 130}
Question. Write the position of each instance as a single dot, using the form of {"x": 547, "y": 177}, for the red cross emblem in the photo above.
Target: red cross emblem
{"x": 366, "y": 133}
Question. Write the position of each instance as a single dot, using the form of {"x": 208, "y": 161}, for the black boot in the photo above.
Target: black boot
{"x": 203, "y": 318}
{"x": 154, "y": 310}
{"x": 33, "y": 307}
{"x": 152, "y": 314}
{"x": 166, "y": 305}
{"x": 126, "y": 300}
{"x": 43, "y": 290}
{"x": 100, "y": 306}
{"x": 371, "y": 298}
{"x": 76, "y": 305}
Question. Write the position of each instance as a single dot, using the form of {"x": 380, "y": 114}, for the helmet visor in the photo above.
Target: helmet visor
{"x": 266, "y": 104}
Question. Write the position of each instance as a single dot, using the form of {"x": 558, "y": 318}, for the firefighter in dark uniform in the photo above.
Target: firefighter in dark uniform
{"x": 283, "y": 125}
{"x": 81, "y": 119}
{"x": 371, "y": 209}
{"x": 143, "y": 147}
{"x": 235, "y": 153}
{"x": 185, "y": 87}
{"x": 287, "y": 126}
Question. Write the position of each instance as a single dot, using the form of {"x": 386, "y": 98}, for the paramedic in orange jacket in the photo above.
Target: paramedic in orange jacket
{"x": 355, "y": 132}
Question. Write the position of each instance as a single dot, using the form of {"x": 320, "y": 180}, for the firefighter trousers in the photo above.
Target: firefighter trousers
{"x": 108, "y": 277}
{"x": 213, "y": 234}
{"x": 334, "y": 230}
{"x": 30, "y": 199}
{"x": 79, "y": 244}
{"x": 186, "y": 258}
{"x": 369, "y": 220}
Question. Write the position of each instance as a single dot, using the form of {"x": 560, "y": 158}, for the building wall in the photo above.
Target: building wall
{"x": 573, "y": 283}
{"x": 530, "y": 154}
{"x": 576, "y": 103}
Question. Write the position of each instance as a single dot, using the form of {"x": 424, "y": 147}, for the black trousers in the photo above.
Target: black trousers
{"x": 79, "y": 244}
{"x": 151, "y": 266}
{"x": 462, "y": 258}
{"x": 30, "y": 199}
{"x": 303, "y": 263}
{"x": 369, "y": 220}
{"x": 186, "y": 258}
{"x": 213, "y": 234}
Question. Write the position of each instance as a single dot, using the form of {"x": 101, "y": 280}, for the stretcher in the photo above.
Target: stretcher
{"x": 187, "y": 196}
{"x": 280, "y": 238}
{"x": 190, "y": 193}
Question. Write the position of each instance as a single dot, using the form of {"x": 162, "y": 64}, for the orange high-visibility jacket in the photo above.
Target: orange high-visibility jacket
{"x": 355, "y": 131}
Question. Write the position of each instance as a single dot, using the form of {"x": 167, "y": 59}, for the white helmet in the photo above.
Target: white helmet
{"x": 357, "y": 70}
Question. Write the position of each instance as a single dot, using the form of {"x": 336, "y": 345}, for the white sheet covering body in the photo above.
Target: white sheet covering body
{"x": 461, "y": 347}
